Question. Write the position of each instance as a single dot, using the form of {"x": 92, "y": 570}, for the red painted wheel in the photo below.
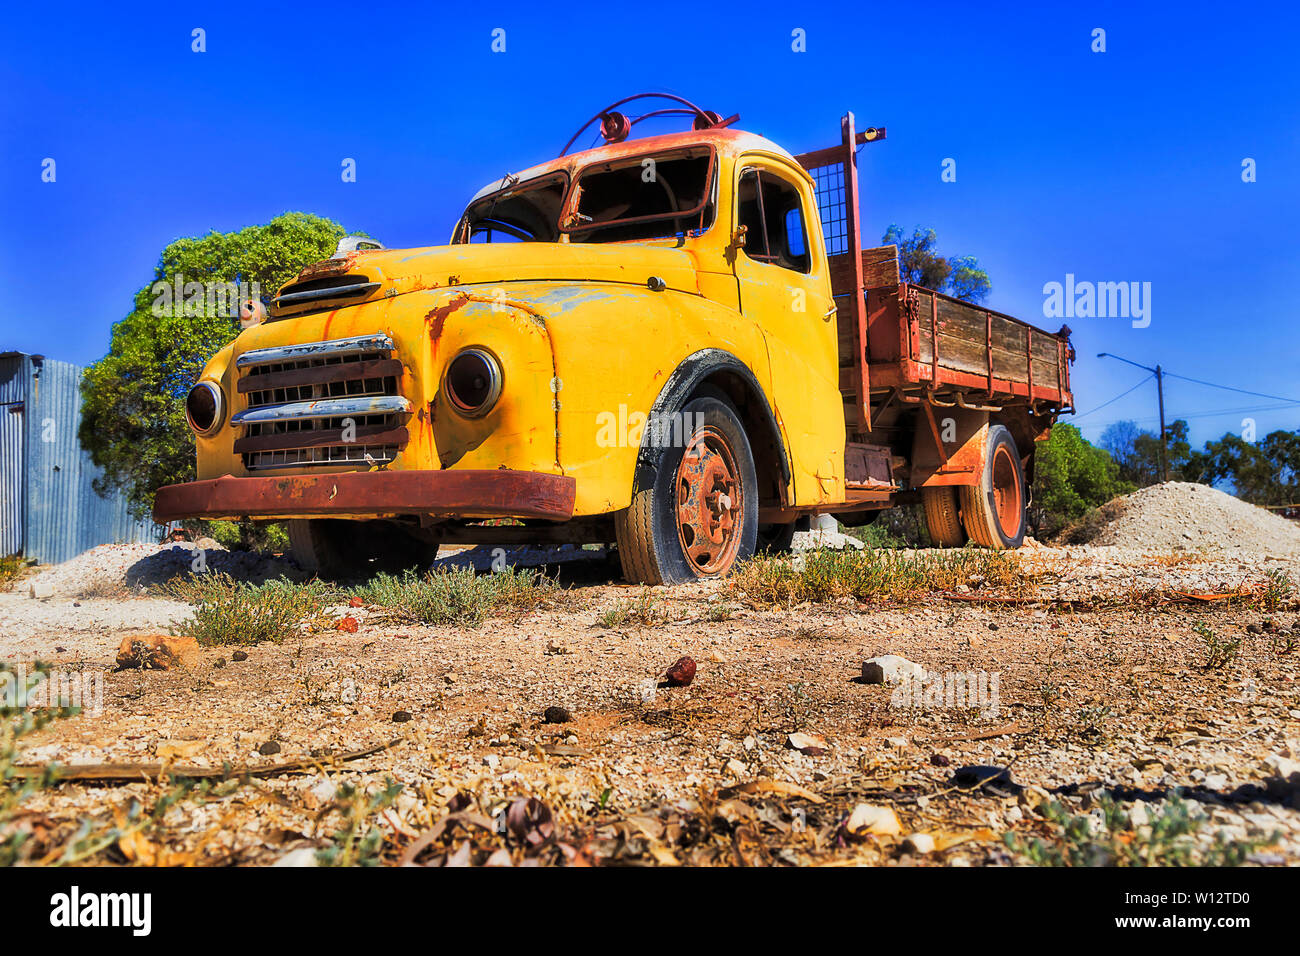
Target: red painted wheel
{"x": 694, "y": 508}
{"x": 994, "y": 511}
{"x": 710, "y": 502}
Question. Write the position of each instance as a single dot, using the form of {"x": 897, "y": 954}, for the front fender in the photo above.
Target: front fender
{"x": 617, "y": 349}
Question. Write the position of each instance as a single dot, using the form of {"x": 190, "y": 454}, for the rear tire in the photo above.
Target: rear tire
{"x": 942, "y": 519}
{"x": 337, "y": 548}
{"x": 694, "y": 510}
{"x": 994, "y": 511}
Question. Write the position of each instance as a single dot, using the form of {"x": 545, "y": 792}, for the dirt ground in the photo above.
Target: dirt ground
{"x": 1097, "y": 682}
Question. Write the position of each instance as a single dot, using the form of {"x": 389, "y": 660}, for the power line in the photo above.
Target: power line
{"x": 1115, "y": 399}
{"x": 1223, "y": 413}
{"x": 1230, "y": 388}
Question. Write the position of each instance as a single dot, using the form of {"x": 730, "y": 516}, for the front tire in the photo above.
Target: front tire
{"x": 994, "y": 510}
{"x": 694, "y": 510}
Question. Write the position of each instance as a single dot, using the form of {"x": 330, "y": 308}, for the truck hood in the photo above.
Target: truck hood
{"x": 367, "y": 275}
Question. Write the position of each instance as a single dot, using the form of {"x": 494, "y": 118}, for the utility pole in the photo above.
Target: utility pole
{"x": 1164, "y": 453}
{"x": 1158, "y": 372}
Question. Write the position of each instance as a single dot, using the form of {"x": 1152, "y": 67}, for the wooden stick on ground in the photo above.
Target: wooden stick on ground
{"x": 143, "y": 772}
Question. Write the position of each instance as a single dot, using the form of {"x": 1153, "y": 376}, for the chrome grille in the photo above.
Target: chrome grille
{"x": 335, "y": 402}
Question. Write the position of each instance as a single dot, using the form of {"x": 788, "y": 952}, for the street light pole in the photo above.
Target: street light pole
{"x": 1160, "y": 394}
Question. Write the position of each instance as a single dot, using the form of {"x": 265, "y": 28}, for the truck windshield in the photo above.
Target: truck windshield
{"x": 644, "y": 197}
{"x": 526, "y": 213}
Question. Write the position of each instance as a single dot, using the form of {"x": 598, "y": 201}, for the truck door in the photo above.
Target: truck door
{"x": 784, "y": 286}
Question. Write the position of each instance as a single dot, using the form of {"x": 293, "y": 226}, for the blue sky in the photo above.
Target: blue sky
{"x": 1115, "y": 166}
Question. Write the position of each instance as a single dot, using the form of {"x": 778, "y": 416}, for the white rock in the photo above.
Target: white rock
{"x": 812, "y": 540}
{"x": 919, "y": 843}
{"x": 40, "y": 591}
{"x": 868, "y": 818}
{"x": 1281, "y": 766}
{"x": 491, "y": 761}
{"x": 891, "y": 669}
{"x": 303, "y": 856}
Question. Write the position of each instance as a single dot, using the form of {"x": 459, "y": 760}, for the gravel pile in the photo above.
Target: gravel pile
{"x": 121, "y": 569}
{"x": 1179, "y": 515}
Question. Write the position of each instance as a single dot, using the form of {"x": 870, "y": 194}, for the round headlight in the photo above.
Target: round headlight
{"x": 473, "y": 382}
{"x": 204, "y": 408}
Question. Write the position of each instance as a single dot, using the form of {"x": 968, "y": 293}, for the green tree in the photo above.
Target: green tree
{"x": 1137, "y": 452}
{"x": 1264, "y": 473}
{"x": 133, "y": 413}
{"x": 1071, "y": 477}
{"x": 919, "y": 263}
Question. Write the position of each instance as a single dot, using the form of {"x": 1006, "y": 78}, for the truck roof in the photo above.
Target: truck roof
{"x": 725, "y": 140}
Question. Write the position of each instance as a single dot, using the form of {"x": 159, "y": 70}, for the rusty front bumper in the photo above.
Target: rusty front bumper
{"x": 452, "y": 494}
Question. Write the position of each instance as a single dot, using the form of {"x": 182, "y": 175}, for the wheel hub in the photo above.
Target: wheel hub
{"x": 710, "y": 509}
{"x": 1008, "y": 499}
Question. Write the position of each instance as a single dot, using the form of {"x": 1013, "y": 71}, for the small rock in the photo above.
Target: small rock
{"x": 239, "y": 656}
{"x": 1034, "y": 796}
{"x": 891, "y": 669}
{"x": 992, "y": 779}
{"x": 895, "y": 743}
{"x": 556, "y": 715}
{"x": 921, "y": 843}
{"x": 867, "y": 819}
{"x": 156, "y": 651}
{"x": 450, "y": 677}
{"x": 303, "y": 856}
{"x": 40, "y": 591}
{"x": 735, "y": 768}
{"x": 814, "y": 745}
{"x": 1281, "y": 766}
{"x": 681, "y": 673}
{"x": 939, "y": 760}
{"x": 401, "y": 716}
{"x": 491, "y": 761}
{"x": 269, "y": 748}
{"x": 1216, "y": 781}
{"x": 323, "y": 791}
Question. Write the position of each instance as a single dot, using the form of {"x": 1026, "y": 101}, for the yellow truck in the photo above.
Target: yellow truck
{"x": 676, "y": 344}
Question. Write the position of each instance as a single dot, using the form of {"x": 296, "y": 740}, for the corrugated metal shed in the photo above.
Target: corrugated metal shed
{"x": 49, "y": 509}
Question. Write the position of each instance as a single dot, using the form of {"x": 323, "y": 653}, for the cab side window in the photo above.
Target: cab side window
{"x": 770, "y": 209}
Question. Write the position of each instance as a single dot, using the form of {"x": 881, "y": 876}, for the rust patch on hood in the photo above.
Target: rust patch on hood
{"x": 437, "y": 316}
